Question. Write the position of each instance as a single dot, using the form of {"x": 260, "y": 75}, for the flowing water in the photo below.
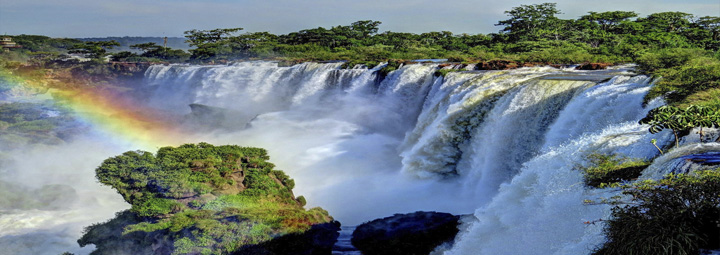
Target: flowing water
{"x": 503, "y": 145}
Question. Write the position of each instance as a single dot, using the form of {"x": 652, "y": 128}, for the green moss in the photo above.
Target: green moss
{"x": 607, "y": 170}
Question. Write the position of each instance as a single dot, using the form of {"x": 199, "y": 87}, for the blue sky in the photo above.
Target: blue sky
{"x": 99, "y": 18}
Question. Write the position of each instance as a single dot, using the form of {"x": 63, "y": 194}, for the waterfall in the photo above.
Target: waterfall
{"x": 541, "y": 207}
{"x": 502, "y": 144}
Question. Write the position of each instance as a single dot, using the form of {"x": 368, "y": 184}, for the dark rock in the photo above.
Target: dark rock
{"x": 592, "y": 66}
{"x": 319, "y": 240}
{"x": 497, "y": 65}
{"x": 130, "y": 67}
{"x": 413, "y": 233}
{"x": 210, "y": 117}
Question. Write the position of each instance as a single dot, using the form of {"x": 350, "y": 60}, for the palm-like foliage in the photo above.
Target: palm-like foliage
{"x": 681, "y": 120}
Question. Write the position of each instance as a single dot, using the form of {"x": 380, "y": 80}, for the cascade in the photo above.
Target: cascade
{"x": 501, "y": 144}
{"x": 542, "y": 207}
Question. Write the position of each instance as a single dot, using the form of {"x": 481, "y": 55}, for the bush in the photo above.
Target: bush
{"x": 676, "y": 215}
{"x": 667, "y": 58}
{"x": 301, "y": 200}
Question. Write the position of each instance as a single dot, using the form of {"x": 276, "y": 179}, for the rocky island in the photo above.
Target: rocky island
{"x": 205, "y": 199}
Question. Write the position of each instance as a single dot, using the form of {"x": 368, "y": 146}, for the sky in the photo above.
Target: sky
{"x": 101, "y": 18}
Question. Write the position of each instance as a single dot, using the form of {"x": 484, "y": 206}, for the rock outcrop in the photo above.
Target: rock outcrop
{"x": 410, "y": 234}
{"x": 205, "y": 199}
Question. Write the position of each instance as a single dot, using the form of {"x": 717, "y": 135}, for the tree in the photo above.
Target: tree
{"x": 210, "y": 44}
{"x": 608, "y": 21}
{"x": 528, "y": 22}
{"x": 365, "y": 28}
{"x": 95, "y": 50}
{"x": 152, "y": 50}
{"x": 705, "y": 32}
{"x": 670, "y": 22}
{"x": 247, "y": 45}
{"x": 198, "y": 38}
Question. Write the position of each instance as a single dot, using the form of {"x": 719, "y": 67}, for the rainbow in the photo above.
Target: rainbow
{"x": 115, "y": 117}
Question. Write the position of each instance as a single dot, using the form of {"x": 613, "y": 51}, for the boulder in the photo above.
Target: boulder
{"x": 411, "y": 234}
{"x": 319, "y": 239}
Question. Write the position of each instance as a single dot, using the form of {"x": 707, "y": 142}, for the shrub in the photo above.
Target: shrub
{"x": 667, "y": 58}
{"x": 676, "y": 215}
{"x": 301, "y": 200}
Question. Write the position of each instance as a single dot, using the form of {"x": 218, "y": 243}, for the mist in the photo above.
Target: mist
{"x": 52, "y": 224}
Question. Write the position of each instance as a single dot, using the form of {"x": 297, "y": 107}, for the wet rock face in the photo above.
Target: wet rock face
{"x": 413, "y": 233}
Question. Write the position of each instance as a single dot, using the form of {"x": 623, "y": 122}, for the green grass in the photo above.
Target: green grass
{"x": 608, "y": 170}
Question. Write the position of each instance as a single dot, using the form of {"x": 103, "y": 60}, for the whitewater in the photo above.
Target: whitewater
{"x": 502, "y": 146}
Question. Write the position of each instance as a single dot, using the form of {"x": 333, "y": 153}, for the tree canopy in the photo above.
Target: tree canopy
{"x": 95, "y": 50}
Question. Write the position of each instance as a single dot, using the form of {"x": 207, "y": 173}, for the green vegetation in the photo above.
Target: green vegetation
{"x": 685, "y": 72}
{"x": 200, "y": 198}
{"x": 608, "y": 170}
{"x": 682, "y": 120}
{"x": 151, "y": 52}
{"x": 675, "y": 215}
{"x": 94, "y": 50}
